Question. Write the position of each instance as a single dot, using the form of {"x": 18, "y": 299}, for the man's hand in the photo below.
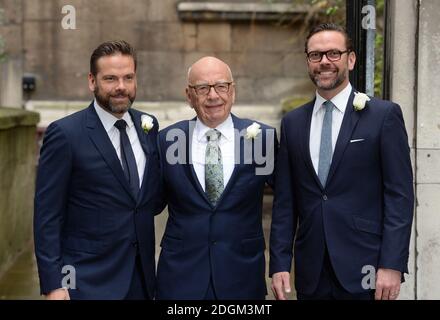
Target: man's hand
{"x": 58, "y": 294}
{"x": 387, "y": 284}
{"x": 281, "y": 285}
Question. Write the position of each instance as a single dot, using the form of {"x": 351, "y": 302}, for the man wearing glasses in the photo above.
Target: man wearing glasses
{"x": 343, "y": 186}
{"x": 213, "y": 246}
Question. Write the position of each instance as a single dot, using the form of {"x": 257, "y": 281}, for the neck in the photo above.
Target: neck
{"x": 117, "y": 115}
{"x": 330, "y": 94}
{"x": 213, "y": 125}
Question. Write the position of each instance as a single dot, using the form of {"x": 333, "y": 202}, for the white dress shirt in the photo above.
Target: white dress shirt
{"x": 108, "y": 121}
{"x": 198, "y": 149}
{"x": 340, "y": 101}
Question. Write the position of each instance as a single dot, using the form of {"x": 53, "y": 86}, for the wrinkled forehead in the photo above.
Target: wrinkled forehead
{"x": 210, "y": 72}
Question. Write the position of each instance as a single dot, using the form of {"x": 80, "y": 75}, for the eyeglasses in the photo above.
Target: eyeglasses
{"x": 332, "y": 55}
{"x": 204, "y": 89}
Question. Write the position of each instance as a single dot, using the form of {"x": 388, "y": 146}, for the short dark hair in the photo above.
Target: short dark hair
{"x": 330, "y": 27}
{"x": 110, "y": 48}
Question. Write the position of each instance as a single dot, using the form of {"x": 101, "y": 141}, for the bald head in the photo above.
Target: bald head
{"x": 206, "y": 67}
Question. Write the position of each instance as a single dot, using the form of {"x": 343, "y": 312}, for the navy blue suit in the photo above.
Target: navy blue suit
{"x": 225, "y": 242}
{"x": 86, "y": 215}
{"x": 363, "y": 215}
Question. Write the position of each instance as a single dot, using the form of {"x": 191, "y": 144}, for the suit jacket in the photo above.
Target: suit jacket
{"x": 85, "y": 214}
{"x": 223, "y": 242}
{"x": 362, "y": 216}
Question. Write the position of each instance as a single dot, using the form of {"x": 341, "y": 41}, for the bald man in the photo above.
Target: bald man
{"x": 214, "y": 167}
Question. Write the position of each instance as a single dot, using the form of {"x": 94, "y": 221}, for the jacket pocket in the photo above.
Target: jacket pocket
{"x": 253, "y": 246}
{"x": 171, "y": 244}
{"x": 366, "y": 225}
{"x": 73, "y": 243}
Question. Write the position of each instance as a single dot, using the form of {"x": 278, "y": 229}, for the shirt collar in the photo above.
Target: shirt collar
{"x": 340, "y": 100}
{"x": 226, "y": 128}
{"x": 108, "y": 120}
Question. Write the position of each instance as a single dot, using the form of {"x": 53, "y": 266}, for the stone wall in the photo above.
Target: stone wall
{"x": 11, "y": 69}
{"x": 17, "y": 182}
{"x": 266, "y": 59}
{"x": 415, "y": 65}
{"x": 427, "y": 140}
{"x": 403, "y": 81}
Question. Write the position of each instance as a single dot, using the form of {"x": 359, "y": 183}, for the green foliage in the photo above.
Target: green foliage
{"x": 334, "y": 11}
{"x": 2, "y": 43}
{"x": 2, "y": 50}
{"x": 379, "y": 48}
{"x": 378, "y": 65}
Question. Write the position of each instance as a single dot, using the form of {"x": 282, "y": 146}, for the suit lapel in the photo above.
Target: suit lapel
{"x": 305, "y": 141}
{"x": 102, "y": 142}
{"x": 143, "y": 139}
{"x": 349, "y": 122}
{"x": 239, "y": 125}
{"x": 189, "y": 168}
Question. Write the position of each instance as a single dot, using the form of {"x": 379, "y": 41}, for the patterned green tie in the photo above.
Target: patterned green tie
{"x": 213, "y": 167}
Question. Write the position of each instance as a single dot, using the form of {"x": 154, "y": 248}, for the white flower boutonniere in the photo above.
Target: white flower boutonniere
{"x": 147, "y": 123}
{"x": 253, "y": 131}
{"x": 359, "y": 100}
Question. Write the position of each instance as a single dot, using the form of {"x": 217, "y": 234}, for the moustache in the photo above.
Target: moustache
{"x": 120, "y": 95}
{"x": 326, "y": 70}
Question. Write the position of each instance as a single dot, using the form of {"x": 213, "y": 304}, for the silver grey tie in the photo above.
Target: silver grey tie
{"x": 326, "y": 149}
{"x": 213, "y": 167}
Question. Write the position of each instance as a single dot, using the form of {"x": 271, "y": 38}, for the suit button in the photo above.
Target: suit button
{"x": 213, "y": 242}
{"x": 135, "y": 244}
{"x": 325, "y": 197}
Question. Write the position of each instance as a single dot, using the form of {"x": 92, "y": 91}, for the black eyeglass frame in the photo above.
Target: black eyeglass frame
{"x": 322, "y": 53}
{"x": 197, "y": 87}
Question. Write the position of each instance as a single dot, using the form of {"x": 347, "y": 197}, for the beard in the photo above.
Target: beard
{"x": 327, "y": 85}
{"x": 108, "y": 102}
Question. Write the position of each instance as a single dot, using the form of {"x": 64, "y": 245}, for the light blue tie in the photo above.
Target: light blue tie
{"x": 325, "y": 149}
{"x": 213, "y": 167}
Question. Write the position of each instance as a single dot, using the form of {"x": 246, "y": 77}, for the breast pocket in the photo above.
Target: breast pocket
{"x": 366, "y": 225}
{"x": 72, "y": 243}
{"x": 357, "y": 143}
{"x": 361, "y": 152}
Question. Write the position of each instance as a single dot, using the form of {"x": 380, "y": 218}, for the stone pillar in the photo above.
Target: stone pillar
{"x": 11, "y": 68}
{"x": 11, "y": 93}
{"x": 415, "y": 69}
{"x": 403, "y": 83}
{"x": 428, "y": 152}
{"x": 18, "y": 154}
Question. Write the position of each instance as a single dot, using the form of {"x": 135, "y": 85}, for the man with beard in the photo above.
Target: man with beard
{"x": 343, "y": 186}
{"x": 96, "y": 191}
